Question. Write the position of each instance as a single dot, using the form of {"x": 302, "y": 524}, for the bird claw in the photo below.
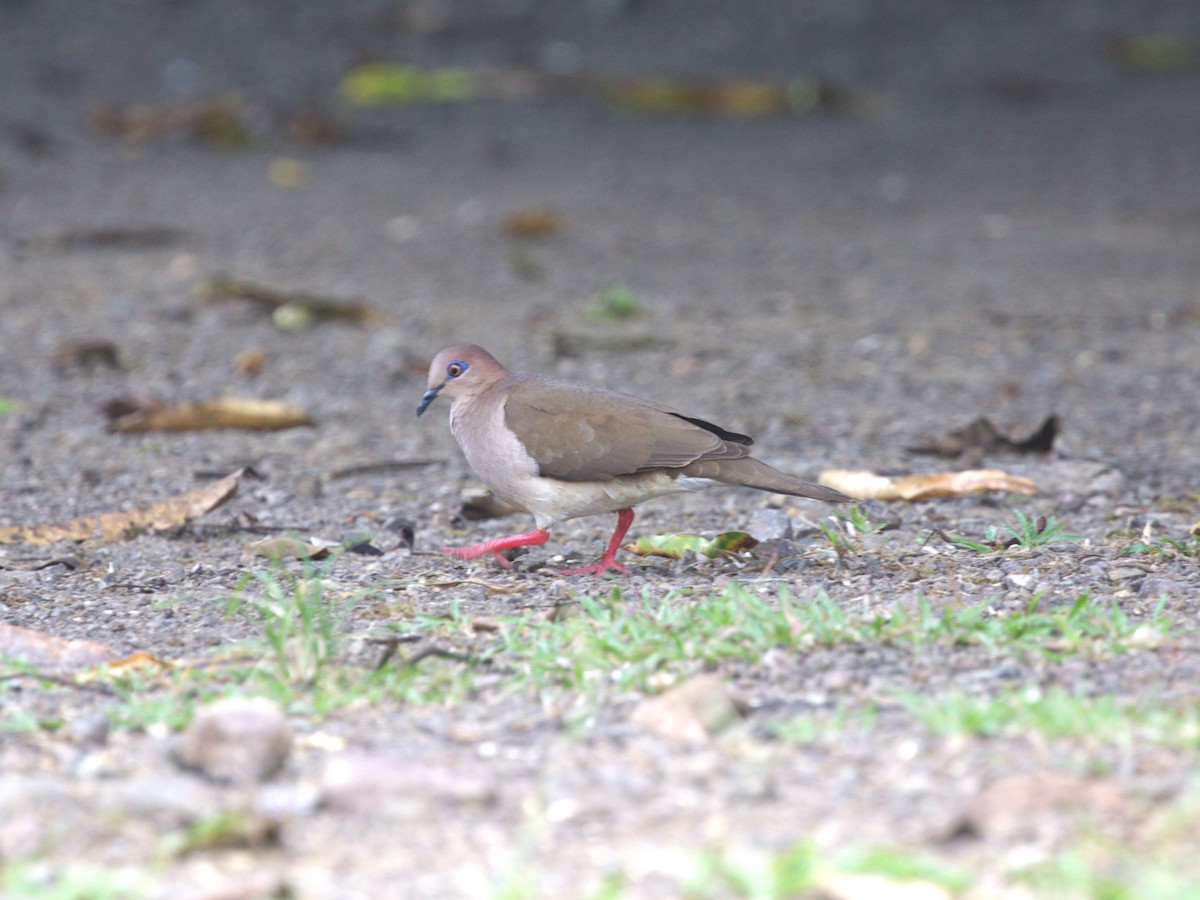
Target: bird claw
{"x": 474, "y": 551}
{"x": 597, "y": 568}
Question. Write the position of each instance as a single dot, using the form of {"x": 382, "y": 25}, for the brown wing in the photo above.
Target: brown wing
{"x": 581, "y": 433}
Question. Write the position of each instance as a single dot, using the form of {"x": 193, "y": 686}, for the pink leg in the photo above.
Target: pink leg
{"x": 608, "y": 561}
{"x": 496, "y": 545}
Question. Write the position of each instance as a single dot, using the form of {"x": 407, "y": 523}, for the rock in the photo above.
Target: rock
{"x": 771, "y": 525}
{"x": 239, "y": 740}
{"x": 1039, "y": 806}
{"x": 363, "y": 782}
{"x": 690, "y": 712}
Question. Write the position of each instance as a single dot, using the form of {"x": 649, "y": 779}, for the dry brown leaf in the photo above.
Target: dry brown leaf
{"x": 223, "y": 412}
{"x": 491, "y": 586}
{"x": 250, "y": 362}
{"x": 297, "y": 304}
{"x": 88, "y": 355}
{"x": 115, "y": 526}
{"x": 34, "y": 648}
{"x": 220, "y": 122}
{"x": 869, "y": 486}
{"x": 981, "y": 435}
{"x": 535, "y": 222}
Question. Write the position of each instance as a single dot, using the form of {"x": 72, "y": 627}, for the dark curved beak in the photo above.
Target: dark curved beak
{"x": 428, "y": 397}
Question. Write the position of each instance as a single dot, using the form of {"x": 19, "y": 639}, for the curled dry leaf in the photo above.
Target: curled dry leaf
{"x": 869, "y": 486}
{"x": 115, "y": 526}
{"x": 480, "y": 504}
{"x": 982, "y": 435}
{"x": 223, "y": 412}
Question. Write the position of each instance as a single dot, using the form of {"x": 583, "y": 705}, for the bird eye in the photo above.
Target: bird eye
{"x": 456, "y": 368}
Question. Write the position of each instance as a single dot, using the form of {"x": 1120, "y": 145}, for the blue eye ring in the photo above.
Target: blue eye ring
{"x": 456, "y": 368}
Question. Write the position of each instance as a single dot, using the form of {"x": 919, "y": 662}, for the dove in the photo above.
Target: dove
{"x": 559, "y": 449}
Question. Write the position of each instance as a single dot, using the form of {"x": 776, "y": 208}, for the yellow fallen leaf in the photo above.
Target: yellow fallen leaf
{"x": 115, "y": 526}
{"x": 223, "y": 412}
{"x": 869, "y": 486}
{"x": 379, "y": 83}
{"x": 138, "y": 659}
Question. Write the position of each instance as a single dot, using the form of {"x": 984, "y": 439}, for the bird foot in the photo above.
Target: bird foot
{"x": 474, "y": 551}
{"x": 498, "y": 546}
{"x": 599, "y": 567}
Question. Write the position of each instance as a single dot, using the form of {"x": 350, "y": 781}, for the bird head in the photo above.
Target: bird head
{"x": 460, "y": 371}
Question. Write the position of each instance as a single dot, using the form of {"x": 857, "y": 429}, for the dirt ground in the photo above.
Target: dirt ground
{"x": 997, "y": 214}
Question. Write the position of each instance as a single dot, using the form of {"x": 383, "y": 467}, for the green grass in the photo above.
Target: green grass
{"x": 801, "y": 869}
{"x": 592, "y": 649}
{"x": 76, "y": 881}
{"x": 1057, "y": 713}
{"x": 1112, "y": 873}
{"x": 1029, "y": 532}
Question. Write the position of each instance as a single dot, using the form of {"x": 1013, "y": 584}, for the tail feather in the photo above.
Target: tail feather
{"x": 749, "y": 472}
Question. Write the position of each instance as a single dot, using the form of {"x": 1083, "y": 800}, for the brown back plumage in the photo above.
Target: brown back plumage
{"x": 577, "y": 432}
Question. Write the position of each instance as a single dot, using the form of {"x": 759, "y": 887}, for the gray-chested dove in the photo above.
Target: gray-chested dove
{"x": 559, "y": 449}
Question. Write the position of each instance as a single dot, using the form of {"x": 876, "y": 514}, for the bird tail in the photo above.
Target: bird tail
{"x": 749, "y": 472}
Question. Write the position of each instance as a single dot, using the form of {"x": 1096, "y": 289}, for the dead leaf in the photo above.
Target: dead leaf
{"x": 674, "y": 546}
{"x": 490, "y": 586}
{"x": 287, "y": 306}
{"x": 690, "y": 712}
{"x": 283, "y": 547}
{"x": 88, "y": 355}
{"x": 982, "y": 435}
{"x": 534, "y": 222}
{"x": 869, "y": 486}
{"x": 40, "y": 650}
{"x": 138, "y": 659}
{"x": 115, "y": 526}
{"x": 223, "y": 412}
{"x": 480, "y": 504}
{"x": 128, "y": 238}
{"x": 383, "y": 467}
{"x": 733, "y": 97}
{"x": 250, "y": 362}
{"x": 220, "y": 122}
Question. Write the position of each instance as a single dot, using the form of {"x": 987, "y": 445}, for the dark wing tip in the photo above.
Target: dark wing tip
{"x": 732, "y": 436}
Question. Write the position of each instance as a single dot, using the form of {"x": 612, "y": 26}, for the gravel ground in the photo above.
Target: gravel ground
{"x": 1002, "y": 221}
